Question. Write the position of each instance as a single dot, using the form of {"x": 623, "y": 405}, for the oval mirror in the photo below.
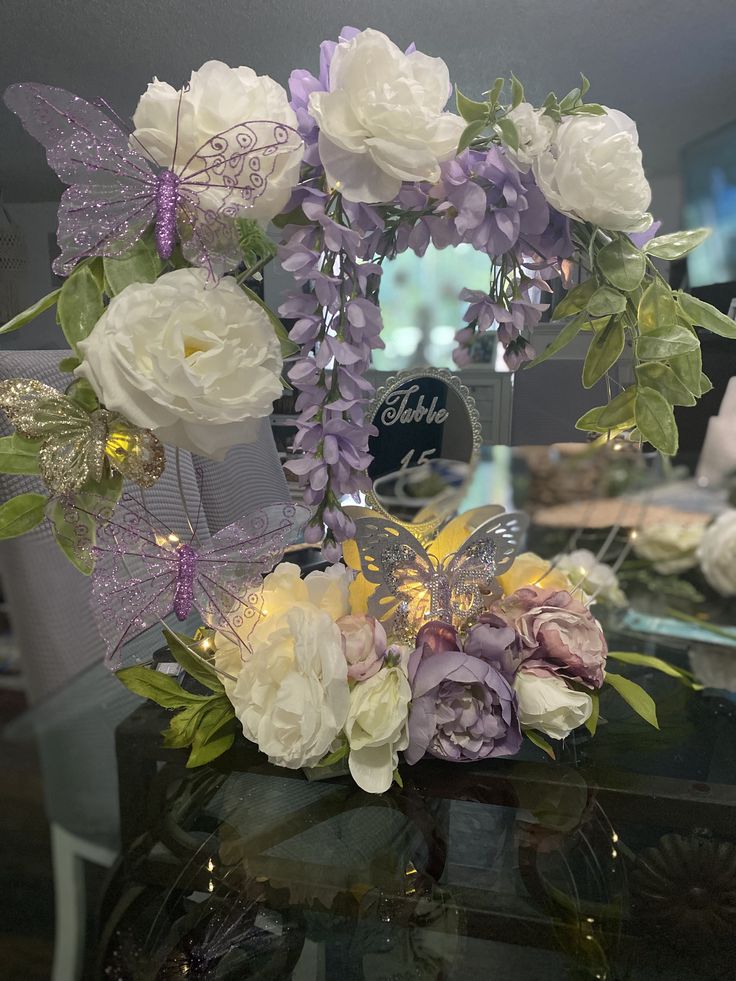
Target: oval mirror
{"x": 424, "y": 451}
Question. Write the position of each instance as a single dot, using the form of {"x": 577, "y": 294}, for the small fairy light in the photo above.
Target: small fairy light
{"x": 633, "y": 535}
{"x": 210, "y": 869}
{"x": 173, "y": 538}
{"x": 206, "y": 643}
{"x": 614, "y": 837}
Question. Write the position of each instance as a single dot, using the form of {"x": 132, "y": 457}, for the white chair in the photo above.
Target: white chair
{"x": 49, "y": 606}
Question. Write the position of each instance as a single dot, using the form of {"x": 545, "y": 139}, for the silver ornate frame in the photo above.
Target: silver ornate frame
{"x": 424, "y": 529}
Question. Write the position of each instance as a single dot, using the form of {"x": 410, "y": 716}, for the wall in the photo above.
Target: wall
{"x": 38, "y": 224}
{"x": 667, "y": 201}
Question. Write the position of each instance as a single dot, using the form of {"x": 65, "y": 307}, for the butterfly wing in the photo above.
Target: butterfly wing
{"x": 72, "y": 451}
{"x": 486, "y": 553}
{"x": 230, "y": 566}
{"x": 135, "y": 574}
{"x": 397, "y": 569}
{"x": 222, "y": 180}
{"x": 134, "y": 452}
{"x": 111, "y": 199}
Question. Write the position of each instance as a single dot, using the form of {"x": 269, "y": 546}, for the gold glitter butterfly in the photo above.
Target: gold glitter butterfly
{"x": 79, "y": 446}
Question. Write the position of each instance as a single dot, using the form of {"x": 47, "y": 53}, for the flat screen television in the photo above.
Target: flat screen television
{"x": 709, "y": 179}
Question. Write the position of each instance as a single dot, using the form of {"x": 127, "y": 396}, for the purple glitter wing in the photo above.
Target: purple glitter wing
{"x": 232, "y": 563}
{"x": 111, "y": 199}
{"x": 220, "y": 182}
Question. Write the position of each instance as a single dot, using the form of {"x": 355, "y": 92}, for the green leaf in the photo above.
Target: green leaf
{"x": 584, "y": 85}
{"x": 182, "y": 727}
{"x": 140, "y": 264}
{"x": 67, "y": 365}
{"x": 622, "y": 264}
{"x": 606, "y": 417}
{"x": 569, "y": 101}
{"x": 398, "y": 779}
{"x": 635, "y": 696}
{"x": 705, "y": 384}
{"x": 677, "y": 244}
{"x": 606, "y": 301}
{"x": 517, "y": 91}
{"x": 255, "y": 246}
{"x": 469, "y": 134}
{"x": 605, "y": 349}
{"x": 335, "y": 757}
{"x": 19, "y": 455}
{"x": 26, "y": 316}
{"x": 494, "y": 93}
{"x": 648, "y": 661}
{"x": 564, "y": 336}
{"x": 551, "y": 107}
{"x": 470, "y": 110}
{"x": 589, "y": 109}
{"x": 657, "y": 308}
{"x": 576, "y": 300}
{"x": 160, "y": 688}
{"x": 201, "y": 755}
{"x": 660, "y": 377}
{"x": 288, "y": 346}
{"x": 535, "y": 737}
{"x": 704, "y": 315}
{"x": 21, "y": 513}
{"x": 80, "y": 305}
{"x": 592, "y": 724}
{"x": 509, "y": 133}
{"x": 181, "y": 647}
{"x": 688, "y": 368}
{"x": 656, "y": 420}
{"x": 83, "y": 394}
{"x": 665, "y": 343}
{"x": 214, "y": 734}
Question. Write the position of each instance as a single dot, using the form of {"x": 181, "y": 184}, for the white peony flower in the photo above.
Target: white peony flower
{"x": 536, "y": 132}
{"x": 671, "y": 548}
{"x": 218, "y": 97}
{"x": 593, "y": 172}
{"x": 327, "y": 590}
{"x": 376, "y": 726}
{"x": 198, "y": 364}
{"x": 596, "y": 580}
{"x": 292, "y": 692}
{"x": 717, "y": 554}
{"x": 382, "y": 122}
{"x": 548, "y": 704}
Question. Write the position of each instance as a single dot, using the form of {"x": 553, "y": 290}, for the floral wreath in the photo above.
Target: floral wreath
{"x": 161, "y": 229}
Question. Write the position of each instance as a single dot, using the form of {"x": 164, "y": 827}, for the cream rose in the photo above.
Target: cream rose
{"x": 326, "y": 590}
{"x": 364, "y": 642}
{"x": 218, "y": 97}
{"x": 198, "y": 364}
{"x": 593, "y": 172}
{"x": 535, "y": 131}
{"x": 376, "y": 726}
{"x": 596, "y": 580}
{"x": 717, "y": 554}
{"x": 292, "y": 695}
{"x": 382, "y": 122}
{"x": 548, "y": 704}
{"x": 671, "y": 548}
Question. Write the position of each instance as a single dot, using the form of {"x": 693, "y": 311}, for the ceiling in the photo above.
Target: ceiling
{"x": 670, "y": 64}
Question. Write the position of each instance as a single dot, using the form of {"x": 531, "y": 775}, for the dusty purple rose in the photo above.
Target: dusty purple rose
{"x": 491, "y": 639}
{"x": 462, "y": 709}
{"x": 439, "y": 636}
{"x": 556, "y": 632}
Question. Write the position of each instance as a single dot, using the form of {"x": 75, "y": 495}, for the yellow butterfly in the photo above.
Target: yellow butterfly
{"x": 402, "y": 581}
{"x": 79, "y": 446}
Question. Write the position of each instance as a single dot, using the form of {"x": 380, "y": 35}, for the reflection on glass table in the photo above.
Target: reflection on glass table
{"x": 616, "y": 862}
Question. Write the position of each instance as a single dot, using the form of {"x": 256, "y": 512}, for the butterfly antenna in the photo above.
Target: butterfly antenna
{"x": 180, "y": 485}
{"x": 182, "y": 90}
{"x": 125, "y": 127}
{"x": 154, "y": 521}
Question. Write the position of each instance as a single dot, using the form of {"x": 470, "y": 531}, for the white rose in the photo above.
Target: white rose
{"x": 593, "y": 172}
{"x": 548, "y": 704}
{"x": 536, "y": 132}
{"x": 382, "y": 122}
{"x": 376, "y": 727}
{"x": 196, "y": 363}
{"x": 292, "y": 692}
{"x": 717, "y": 554}
{"x": 671, "y": 548}
{"x": 218, "y": 98}
{"x": 596, "y": 580}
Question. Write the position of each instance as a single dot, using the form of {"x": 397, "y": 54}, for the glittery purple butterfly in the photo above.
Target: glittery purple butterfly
{"x": 145, "y": 571}
{"x": 116, "y": 193}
